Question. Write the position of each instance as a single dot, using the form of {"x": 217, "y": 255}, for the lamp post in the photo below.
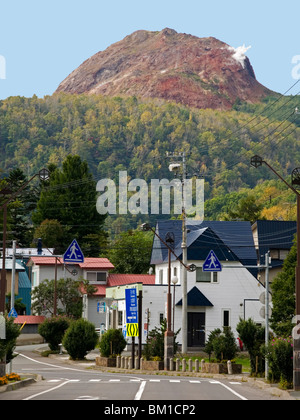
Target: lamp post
{"x": 174, "y": 168}
{"x": 169, "y": 334}
{"x": 43, "y": 174}
{"x": 257, "y": 161}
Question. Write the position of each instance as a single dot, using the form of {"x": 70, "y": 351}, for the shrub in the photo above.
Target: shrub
{"x": 53, "y": 330}
{"x": 253, "y": 337}
{"x": 112, "y": 342}
{"x": 8, "y": 345}
{"x": 155, "y": 342}
{"x": 80, "y": 338}
{"x": 223, "y": 345}
{"x": 279, "y": 353}
{"x": 209, "y": 344}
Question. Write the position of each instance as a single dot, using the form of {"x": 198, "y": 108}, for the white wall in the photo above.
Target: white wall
{"x": 234, "y": 291}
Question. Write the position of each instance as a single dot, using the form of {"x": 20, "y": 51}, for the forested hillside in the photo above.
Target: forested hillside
{"x": 114, "y": 134}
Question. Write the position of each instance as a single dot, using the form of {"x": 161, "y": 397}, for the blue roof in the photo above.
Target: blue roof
{"x": 275, "y": 234}
{"x": 231, "y": 241}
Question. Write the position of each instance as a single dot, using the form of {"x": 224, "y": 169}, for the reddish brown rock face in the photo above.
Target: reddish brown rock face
{"x": 197, "y": 72}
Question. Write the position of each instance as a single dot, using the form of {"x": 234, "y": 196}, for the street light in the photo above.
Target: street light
{"x": 174, "y": 168}
{"x": 257, "y": 161}
{"x": 43, "y": 174}
{"x": 169, "y": 334}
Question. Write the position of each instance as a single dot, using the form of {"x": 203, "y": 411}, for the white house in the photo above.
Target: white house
{"x": 214, "y": 299}
{"x": 93, "y": 269}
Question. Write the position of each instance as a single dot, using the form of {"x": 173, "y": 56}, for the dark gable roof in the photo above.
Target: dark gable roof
{"x": 231, "y": 241}
{"x": 196, "y": 298}
{"x": 274, "y": 234}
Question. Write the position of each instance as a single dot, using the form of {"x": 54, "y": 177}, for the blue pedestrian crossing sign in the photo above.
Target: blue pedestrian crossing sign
{"x": 212, "y": 263}
{"x": 12, "y": 313}
{"x": 73, "y": 254}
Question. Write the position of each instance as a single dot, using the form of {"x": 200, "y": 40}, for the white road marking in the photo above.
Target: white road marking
{"x": 229, "y": 389}
{"x": 45, "y": 392}
{"x": 139, "y": 394}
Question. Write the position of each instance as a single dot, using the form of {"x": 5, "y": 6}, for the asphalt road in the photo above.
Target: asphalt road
{"x": 151, "y": 394}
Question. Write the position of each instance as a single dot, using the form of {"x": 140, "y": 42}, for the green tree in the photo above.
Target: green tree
{"x": 80, "y": 338}
{"x": 52, "y": 234}
{"x": 283, "y": 296}
{"x": 223, "y": 345}
{"x": 53, "y": 330}
{"x": 8, "y": 344}
{"x": 70, "y": 198}
{"x": 247, "y": 209}
{"x": 112, "y": 343}
{"x": 131, "y": 252}
{"x": 253, "y": 337}
{"x": 69, "y": 300}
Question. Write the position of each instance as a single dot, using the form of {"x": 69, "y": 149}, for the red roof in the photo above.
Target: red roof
{"x": 89, "y": 263}
{"x": 122, "y": 279}
{"x": 93, "y": 263}
{"x": 29, "y": 319}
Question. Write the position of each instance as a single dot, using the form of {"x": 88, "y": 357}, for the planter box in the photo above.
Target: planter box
{"x": 221, "y": 368}
{"x": 152, "y": 365}
{"x": 106, "y": 361}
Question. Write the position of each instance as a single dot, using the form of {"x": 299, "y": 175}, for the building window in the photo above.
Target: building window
{"x": 215, "y": 278}
{"x": 175, "y": 271}
{"x": 96, "y": 276}
{"x": 226, "y": 318}
{"x": 202, "y": 276}
{"x": 160, "y": 276}
{"x": 279, "y": 254}
{"x": 206, "y": 277}
{"x": 120, "y": 318}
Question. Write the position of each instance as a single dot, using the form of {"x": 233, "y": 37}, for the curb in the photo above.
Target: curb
{"x": 20, "y": 384}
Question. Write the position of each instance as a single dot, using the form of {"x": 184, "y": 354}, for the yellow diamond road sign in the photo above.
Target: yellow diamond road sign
{"x": 132, "y": 330}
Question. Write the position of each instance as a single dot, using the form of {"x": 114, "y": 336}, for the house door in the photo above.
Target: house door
{"x": 196, "y": 329}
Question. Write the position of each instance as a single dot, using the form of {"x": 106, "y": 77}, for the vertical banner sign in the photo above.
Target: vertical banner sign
{"x": 132, "y": 326}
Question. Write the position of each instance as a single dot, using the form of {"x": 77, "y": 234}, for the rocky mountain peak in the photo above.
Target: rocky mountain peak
{"x": 197, "y": 72}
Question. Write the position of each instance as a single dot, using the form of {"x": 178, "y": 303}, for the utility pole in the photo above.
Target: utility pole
{"x": 43, "y": 175}
{"x": 181, "y": 155}
{"x": 267, "y": 265}
{"x": 13, "y": 276}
